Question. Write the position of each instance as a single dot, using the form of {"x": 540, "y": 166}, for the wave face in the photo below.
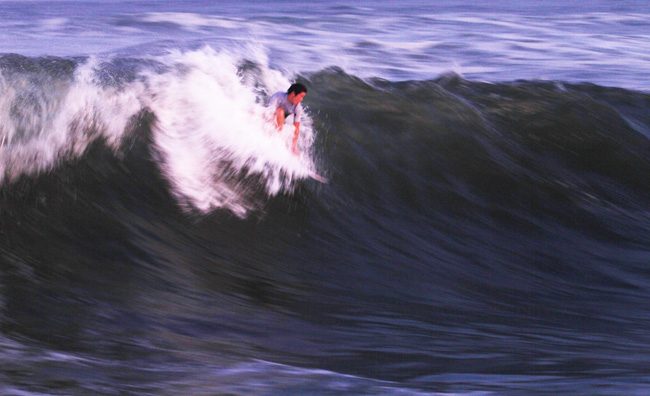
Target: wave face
{"x": 159, "y": 238}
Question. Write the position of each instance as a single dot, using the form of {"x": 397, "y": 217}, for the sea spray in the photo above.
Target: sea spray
{"x": 212, "y": 130}
{"x": 212, "y": 135}
{"x": 51, "y": 110}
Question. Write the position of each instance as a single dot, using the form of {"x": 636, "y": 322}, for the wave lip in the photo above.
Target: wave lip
{"x": 210, "y": 132}
{"x": 52, "y": 109}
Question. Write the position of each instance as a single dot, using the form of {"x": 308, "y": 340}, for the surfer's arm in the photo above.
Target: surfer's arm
{"x": 296, "y": 123}
{"x": 296, "y": 132}
{"x": 279, "y": 118}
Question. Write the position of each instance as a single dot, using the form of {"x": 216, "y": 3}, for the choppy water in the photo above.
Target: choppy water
{"x": 484, "y": 230}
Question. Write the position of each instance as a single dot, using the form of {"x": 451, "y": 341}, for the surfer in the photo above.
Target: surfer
{"x": 286, "y": 104}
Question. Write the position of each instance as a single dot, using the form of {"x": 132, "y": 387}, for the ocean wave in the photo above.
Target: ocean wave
{"x": 499, "y": 140}
{"x": 209, "y": 129}
{"x": 203, "y": 113}
{"x": 471, "y": 233}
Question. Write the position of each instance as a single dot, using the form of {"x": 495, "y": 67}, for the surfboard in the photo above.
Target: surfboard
{"x": 318, "y": 177}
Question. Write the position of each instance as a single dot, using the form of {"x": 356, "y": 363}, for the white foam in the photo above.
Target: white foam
{"x": 54, "y": 23}
{"x": 210, "y": 123}
{"x": 40, "y": 125}
{"x": 191, "y": 20}
{"x": 212, "y": 129}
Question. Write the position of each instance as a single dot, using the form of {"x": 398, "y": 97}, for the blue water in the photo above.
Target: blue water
{"x": 484, "y": 230}
{"x": 597, "y": 41}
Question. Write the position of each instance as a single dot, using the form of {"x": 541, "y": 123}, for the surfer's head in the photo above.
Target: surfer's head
{"x": 297, "y": 88}
{"x": 296, "y": 93}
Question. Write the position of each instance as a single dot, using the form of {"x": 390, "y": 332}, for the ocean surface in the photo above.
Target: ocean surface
{"x": 484, "y": 230}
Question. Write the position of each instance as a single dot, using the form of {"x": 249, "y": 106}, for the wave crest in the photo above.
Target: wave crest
{"x": 211, "y": 133}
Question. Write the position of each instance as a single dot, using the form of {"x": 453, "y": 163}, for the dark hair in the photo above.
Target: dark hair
{"x": 297, "y": 88}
